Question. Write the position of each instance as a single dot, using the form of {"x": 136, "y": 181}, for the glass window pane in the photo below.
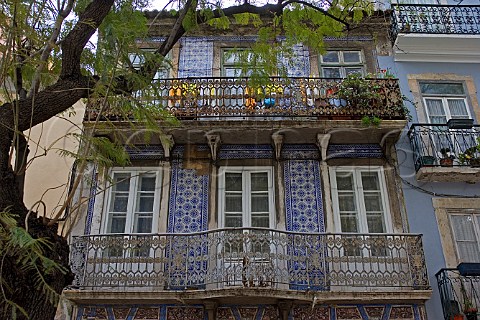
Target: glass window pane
{"x": 118, "y": 224}
{"x": 143, "y": 224}
{"x": 331, "y": 72}
{"x": 346, "y": 202}
{"x": 370, "y": 181}
{"x": 145, "y": 203}
{"x": 119, "y": 203}
{"x": 121, "y": 182}
{"x": 373, "y": 202}
{"x": 233, "y": 221}
{"x": 233, "y": 203}
{"x": 441, "y": 88}
{"x": 233, "y": 181}
{"x": 357, "y": 70}
{"x": 259, "y": 181}
{"x": 330, "y": 57}
{"x": 351, "y": 56}
{"x": 344, "y": 180}
{"x": 458, "y": 109}
{"x": 147, "y": 183}
{"x": 463, "y": 227}
{"x": 436, "y": 112}
{"x": 349, "y": 224}
{"x": 376, "y": 224}
{"x": 259, "y": 203}
{"x": 260, "y": 221}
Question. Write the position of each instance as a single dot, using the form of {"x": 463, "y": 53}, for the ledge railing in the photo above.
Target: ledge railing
{"x": 223, "y": 97}
{"x": 249, "y": 257}
{"x": 459, "y": 294}
{"x": 428, "y": 140}
{"x": 435, "y": 19}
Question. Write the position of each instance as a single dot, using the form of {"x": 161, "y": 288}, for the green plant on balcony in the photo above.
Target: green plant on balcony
{"x": 469, "y": 308}
{"x": 359, "y": 92}
{"x": 471, "y": 155}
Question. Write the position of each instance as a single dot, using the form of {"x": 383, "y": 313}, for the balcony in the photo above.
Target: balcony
{"x": 460, "y": 294}
{"x": 436, "y": 33}
{"x": 240, "y": 106}
{"x": 431, "y": 164}
{"x": 254, "y": 262}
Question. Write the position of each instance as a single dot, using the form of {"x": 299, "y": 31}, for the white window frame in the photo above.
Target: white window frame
{"x": 246, "y": 214}
{"x": 129, "y": 223}
{"x": 137, "y": 60}
{"x": 341, "y": 64}
{"x": 362, "y": 217}
{"x": 476, "y": 229}
{"x": 444, "y": 98}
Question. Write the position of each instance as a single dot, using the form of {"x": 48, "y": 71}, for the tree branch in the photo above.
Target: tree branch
{"x": 325, "y": 12}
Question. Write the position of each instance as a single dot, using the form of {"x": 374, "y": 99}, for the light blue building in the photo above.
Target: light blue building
{"x": 436, "y": 58}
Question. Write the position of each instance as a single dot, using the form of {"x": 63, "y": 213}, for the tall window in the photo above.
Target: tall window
{"x": 466, "y": 232}
{"x": 359, "y": 199}
{"x": 133, "y": 202}
{"x": 444, "y": 101}
{"x": 339, "y": 64}
{"x": 246, "y": 197}
{"x": 235, "y": 62}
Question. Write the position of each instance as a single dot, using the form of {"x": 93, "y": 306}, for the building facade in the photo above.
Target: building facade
{"x": 268, "y": 200}
{"x": 437, "y": 63}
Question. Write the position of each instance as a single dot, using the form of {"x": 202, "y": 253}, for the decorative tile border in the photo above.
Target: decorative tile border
{"x": 145, "y": 152}
{"x": 254, "y": 38}
{"x": 245, "y": 151}
{"x": 256, "y": 312}
{"x": 91, "y": 200}
{"x": 354, "y": 151}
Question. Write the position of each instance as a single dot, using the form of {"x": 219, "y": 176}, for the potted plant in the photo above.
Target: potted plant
{"x": 469, "y": 309}
{"x": 357, "y": 91}
{"x": 471, "y": 155}
{"x": 447, "y": 157}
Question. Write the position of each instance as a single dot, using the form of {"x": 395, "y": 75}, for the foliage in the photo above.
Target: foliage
{"x": 28, "y": 255}
{"x": 446, "y": 153}
{"x": 358, "y": 91}
{"x": 471, "y": 155}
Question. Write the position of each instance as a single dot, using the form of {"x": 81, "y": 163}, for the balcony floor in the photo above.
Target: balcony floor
{"x": 240, "y": 295}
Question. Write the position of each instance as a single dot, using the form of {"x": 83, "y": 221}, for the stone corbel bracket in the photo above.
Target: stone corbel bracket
{"x": 167, "y": 142}
{"x": 214, "y": 142}
{"x": 323, "y": 140}
{"x": 277, "y": 143}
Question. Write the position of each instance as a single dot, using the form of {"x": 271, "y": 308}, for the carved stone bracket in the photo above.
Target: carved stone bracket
{"x": 323, "y": 139}
{"x": 214, "y": 142}
{"x": 278, "y": 143}
{"x": 167, "y": 144}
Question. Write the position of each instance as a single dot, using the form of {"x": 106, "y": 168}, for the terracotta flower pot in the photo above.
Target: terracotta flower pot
{"x": 446, "y": 162}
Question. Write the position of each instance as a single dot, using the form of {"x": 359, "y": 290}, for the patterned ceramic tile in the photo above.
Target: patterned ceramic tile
{"x": 120, "y": 313}
{"x": 145, "y": 152}
{"x": 185, "y": 313}
{"x": 354, "y": 151}
{"x": 305, "y": 312}
{"x": 147, "y": 313}
{"x": 196, "y": 58}
{"x": 348, "y": 313}
{"x": 270, "y": 313}
{"x": 303, "y": 196}
{"x": 299, "y": 64}
{"x": 225, "y": 313}
{"x": 401, "y": 313}
{"x": 374, "y": 312}
{"x": 246, "y": 151}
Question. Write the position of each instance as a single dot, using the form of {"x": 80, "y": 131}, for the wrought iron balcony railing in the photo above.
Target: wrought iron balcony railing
{"x": 460, "y": 295}
{"x": 222, "y": 97}
{"x": 249, "y": 257}
{"x": 435, "y": 19}
{"x": 433, "y": 144}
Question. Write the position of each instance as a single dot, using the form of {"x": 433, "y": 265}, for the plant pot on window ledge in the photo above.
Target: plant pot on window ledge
{"x": 446, "y": 162}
